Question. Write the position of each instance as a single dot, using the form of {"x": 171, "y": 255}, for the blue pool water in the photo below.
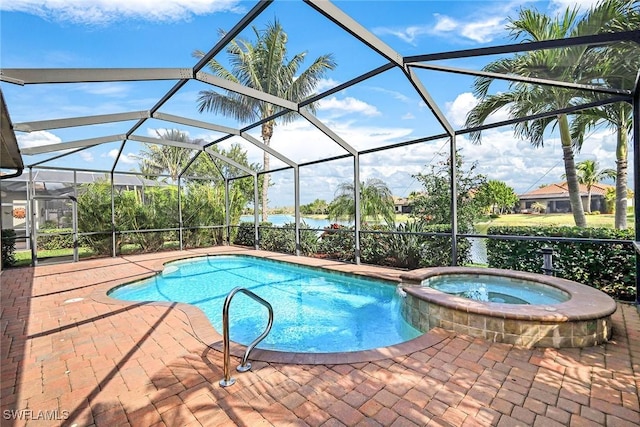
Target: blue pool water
{"x": 315, "y": 311}
{"x": 497, "y": 289}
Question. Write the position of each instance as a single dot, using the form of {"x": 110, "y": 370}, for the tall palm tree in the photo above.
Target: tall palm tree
{"x": 160, "y": 159}
{"x": 589, "y": 173}
{"x": 263, "y": 65}
{"x": 616, "y": 67}
{"x": 524, "y": 99}
{"x": 375, "y": 201}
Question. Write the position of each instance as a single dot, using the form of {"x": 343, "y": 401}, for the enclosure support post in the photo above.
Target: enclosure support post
{"x": 256, "y": 244}
{"x": 32, "y": 203}
{"x": 227, "y": 221}
{"x": 74, "y": 217}
{"x": 454, "y": 201}
{"x": 296, "y": 190}
{"x": 180, "y": 225}
{"x": 356, "y": 198}
{"x": 636, "y": 177}
{"x": 113, "y": 218}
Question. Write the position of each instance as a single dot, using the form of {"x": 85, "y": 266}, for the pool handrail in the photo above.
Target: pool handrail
{"x": 244, "y": 365}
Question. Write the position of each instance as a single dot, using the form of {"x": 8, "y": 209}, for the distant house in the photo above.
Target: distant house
{"x": 556, "y": 197}
{"x": 401, "y": 205}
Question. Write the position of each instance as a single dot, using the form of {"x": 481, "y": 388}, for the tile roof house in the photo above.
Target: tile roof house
{"x": 556, "y": 197}
{"x": 401, "y": 205}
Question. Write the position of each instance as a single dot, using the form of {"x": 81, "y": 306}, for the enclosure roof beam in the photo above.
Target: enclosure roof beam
{"x": 94, "y": 75}
{"x": 337, "y": 16}
{"x": 230, "y": 162}
{"x": 523, "y": 79}
{"x": 237, "y": 29}
{"x": 595, "y": 39}
{"x": 79, "y": 121}
{"x": 331, "y": 134}
{"x": 50, "y": 159}
{"x": 348, "y": 84}
{"x": 72, "y": 144}
{"x": 268, "y": 149}
{"x": 195, "y": 123}
{"x": 431, "y": 103}
{"x": 169, "y": 142}
{"x": 245, "y": 90}
{"x": 546, "y": 114}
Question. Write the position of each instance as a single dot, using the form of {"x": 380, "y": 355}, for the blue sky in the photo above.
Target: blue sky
{"x": 378, "y": 112}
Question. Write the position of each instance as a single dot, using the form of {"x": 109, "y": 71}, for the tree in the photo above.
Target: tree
{"x": 375, "y": 201}
{"x": 496, "y": 194}
{"x": 159, "y": 159}
{"x": 433, "y": 204}
{"x": 589, "y": 174}
{"x": 263, "y": 65}
{"x": 317, "y": 207}
{"x": 615, "y": 67}
{"x": 523, "y": 99}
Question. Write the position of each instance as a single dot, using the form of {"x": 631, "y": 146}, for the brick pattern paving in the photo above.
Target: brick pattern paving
{"x": 143, "y": 365}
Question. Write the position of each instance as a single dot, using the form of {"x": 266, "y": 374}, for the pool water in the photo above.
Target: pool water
{"x": 315, "y": 311}
{"x": 497, "y": 289}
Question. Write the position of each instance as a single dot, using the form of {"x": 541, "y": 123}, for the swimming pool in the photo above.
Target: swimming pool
{"x": 315, "y": 311}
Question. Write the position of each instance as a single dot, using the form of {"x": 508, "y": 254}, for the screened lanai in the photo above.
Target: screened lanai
{"x": 316, "y": 151}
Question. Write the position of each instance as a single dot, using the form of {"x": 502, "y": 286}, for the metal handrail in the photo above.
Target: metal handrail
{"x": 244, "y": 366}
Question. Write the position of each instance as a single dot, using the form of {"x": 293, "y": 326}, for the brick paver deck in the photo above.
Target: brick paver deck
{"x": 67, "y": 354}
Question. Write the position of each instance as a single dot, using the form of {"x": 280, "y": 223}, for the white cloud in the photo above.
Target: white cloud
{"x": 481, "y": 30}
{"x": 348, "y": 105}
{"x": 394, "y": 94}
{"x": 408, "y": 116}
{"x": 408, "y": 34}
{"x": 457, "y": 110}
{"x": 37, "y": 139}
{"x": 326, "y": 84}
{"x": 109, "y": 11}
{"x": 559, "y": 6}
{"x": 86, "y": 156}
{"x": 112, "y": 90}
{"x": 124, "y": 157}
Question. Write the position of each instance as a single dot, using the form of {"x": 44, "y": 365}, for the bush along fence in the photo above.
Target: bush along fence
{"x": 406, "y": 246}
{"x": 609, "y": 267}
{"x": 8, "y": 248}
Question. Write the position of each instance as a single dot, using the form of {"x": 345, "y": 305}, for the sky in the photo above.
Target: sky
{"x": 378, "y": 112}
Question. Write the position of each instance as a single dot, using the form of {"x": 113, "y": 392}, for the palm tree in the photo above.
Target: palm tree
{"x": 263, "y": 65}
{"x": 589, "y": 173}
{"x": 524, "y": 99}
{"x": 616, "y": 67}
{"x": 159, "y": 159}
{"x": 375, "y": 201}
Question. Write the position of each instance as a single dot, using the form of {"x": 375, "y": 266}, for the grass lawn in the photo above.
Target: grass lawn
{"x": 602, "y": 220}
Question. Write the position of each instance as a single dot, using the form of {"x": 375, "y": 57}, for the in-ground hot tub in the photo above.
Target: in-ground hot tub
{"x": 575, "y": 316}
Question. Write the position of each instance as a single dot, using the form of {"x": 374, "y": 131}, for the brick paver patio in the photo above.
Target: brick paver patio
{"x": 69, "y": 354}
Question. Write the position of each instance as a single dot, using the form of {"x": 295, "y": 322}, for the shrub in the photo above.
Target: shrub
{"x": 604, "y": 266}
{"x": 47, "y": 240}
{"x": 202, "y": 237}
{"x": 337, "y": 242}
{"x": 245, "y": 235}
{"x": 283, "y": 239}
{"x": 8, "y": 247}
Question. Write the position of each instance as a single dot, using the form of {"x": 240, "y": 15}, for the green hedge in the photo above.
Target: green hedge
{"x": 608, "y": 267}
{"x": 48, "y": 241}
{"x": 8, "y": 248}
